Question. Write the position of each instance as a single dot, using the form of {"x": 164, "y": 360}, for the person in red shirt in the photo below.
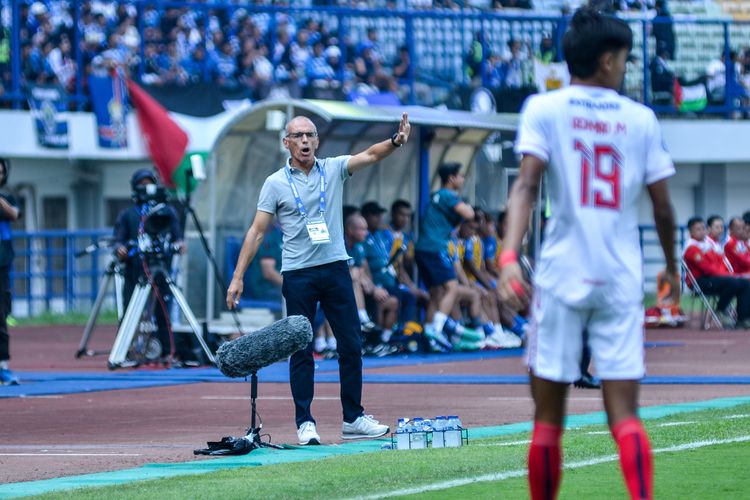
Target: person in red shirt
{"x": 735, "y": 249}
{"x": 713, "y": 276}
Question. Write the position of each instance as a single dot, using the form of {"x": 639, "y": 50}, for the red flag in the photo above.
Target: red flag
{"x": 165, "y": 140}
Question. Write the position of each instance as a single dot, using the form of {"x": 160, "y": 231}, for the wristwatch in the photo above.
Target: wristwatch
{"x": 393, "y": 141}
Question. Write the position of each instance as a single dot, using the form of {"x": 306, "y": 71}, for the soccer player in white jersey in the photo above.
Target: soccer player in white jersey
{"x": 598, "y": 150}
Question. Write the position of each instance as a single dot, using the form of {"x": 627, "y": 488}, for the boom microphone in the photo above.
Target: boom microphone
{"x": 264, "y": 347}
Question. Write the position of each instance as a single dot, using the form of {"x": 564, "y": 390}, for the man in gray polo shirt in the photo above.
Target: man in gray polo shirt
{"x": 306, "y": 195}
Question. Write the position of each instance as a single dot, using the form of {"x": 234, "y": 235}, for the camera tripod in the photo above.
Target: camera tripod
{"x": 113, "y": 272}
{"x": 138, "y": 302}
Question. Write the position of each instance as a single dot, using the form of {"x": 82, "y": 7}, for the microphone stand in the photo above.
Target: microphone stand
{"x": 253, "y": 433}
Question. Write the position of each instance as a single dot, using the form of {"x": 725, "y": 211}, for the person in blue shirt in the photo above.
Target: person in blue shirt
{"x": 399, "y": 243}
{"x": 9, "y": 212}
{"x": 445, "y": 211}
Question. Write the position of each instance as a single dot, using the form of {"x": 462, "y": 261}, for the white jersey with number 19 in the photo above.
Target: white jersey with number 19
{"x": 601, "y": 149}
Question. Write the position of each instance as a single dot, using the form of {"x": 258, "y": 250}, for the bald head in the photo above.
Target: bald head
{"x": 301, "y": 122}
{"x": 301, "y": 140}
{"x": 356, "y": 228}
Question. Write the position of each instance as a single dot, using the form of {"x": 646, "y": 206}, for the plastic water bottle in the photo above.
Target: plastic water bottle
{"x": 418, "y": 437}
{"x": 402, "y": 434}
{"x": 453, "y": 432}
{"x": 438, "y": 432}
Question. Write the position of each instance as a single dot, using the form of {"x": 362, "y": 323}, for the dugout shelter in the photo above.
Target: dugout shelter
{"x": 249, "y": 148}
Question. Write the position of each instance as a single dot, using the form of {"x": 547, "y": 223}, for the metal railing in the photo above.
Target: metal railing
{"x": 47, "y": 275}
{"x": 437, "y": 41}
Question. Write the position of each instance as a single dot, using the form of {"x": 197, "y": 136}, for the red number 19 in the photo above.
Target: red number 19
{"x": 596, "y": 196}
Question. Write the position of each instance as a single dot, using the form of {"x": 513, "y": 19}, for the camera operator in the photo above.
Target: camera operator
{"x": 146, "y": 236}
{"x": 9, "y": 212}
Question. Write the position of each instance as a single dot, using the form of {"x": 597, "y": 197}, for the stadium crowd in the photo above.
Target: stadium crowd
{"x": 254, "y": 53}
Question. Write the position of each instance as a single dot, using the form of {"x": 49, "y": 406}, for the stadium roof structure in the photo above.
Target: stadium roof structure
{"x": 249, "y": 148}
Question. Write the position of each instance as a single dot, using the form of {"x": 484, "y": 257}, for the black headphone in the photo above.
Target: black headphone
{"x": 6, "y": 167}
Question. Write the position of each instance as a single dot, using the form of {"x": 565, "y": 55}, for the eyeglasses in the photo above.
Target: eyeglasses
{"x": 300, "y": 135}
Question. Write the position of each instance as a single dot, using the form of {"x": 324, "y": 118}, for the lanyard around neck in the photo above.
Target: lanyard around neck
{"x": 295, "y": 192}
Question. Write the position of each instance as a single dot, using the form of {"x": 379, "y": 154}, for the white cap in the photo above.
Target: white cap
{"x": 332, "y": 51}
{"x": 38, "y": 8}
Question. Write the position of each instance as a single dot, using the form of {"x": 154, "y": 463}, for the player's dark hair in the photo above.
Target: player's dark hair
{"x": 713, "y": 218}
{"x": 592, "y": 34}
{"x": 693, "y": 221}
{"x": 446, "y": 170}
{"x": 746, "y": 217}
{"x": 399, "y": 204}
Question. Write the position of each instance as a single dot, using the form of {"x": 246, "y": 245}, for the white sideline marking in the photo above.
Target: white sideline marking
{"x": 522, "y": 472}
{"x": 70, "y": 454}
{"x": 597, "y": 433}
{"x": 275, "y": 398}
{"x": 739, "y": 415}
{"x": 674, "y": 424}
{"x": 507, "y": 443}
{"x": 528, "y": 398}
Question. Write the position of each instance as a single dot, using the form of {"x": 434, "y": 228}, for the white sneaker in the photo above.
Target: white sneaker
{"x": 505, "y": 340}
{"x": 364, "y": 427}
{"x": 307, "y": 434}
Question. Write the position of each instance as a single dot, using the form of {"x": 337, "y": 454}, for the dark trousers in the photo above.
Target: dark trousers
{"x": 728, "y": 287}
{"x": 4, "y": 312}
{"x": 331, "y": 285}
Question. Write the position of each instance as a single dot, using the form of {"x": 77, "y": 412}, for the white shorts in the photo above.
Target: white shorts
{"x": 555, "y": 340}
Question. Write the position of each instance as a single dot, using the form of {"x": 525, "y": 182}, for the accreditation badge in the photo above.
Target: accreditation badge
{"x": 318, "y": 232}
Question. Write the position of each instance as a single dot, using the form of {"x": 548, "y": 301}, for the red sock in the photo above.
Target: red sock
{"x": 545, "y": 461}
{"x": 636, "y": 460}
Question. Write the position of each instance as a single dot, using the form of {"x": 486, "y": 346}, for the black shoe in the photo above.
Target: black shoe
{"x": 587, "y": 381}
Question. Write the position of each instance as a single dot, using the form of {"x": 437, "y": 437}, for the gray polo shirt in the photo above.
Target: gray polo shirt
{"x": 276, "y": 198}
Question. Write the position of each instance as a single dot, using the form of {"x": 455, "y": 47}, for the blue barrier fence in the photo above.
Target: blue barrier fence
{"x": 47, "y": 276}
{"x": 438, "y": 42}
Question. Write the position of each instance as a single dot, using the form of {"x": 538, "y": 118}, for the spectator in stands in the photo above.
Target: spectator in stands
{"x": 444, "y": 212}
{"x": 299, "y": 53}
{"x": 513, "y": 66}
{"x": 516, "y": 4}
{"x": 366, "y": 65}
{"x": 223, "y": 67}
{"x": 662, "y": 77}
{"x": 318, "y": 72}
{"x": 662, "y": 27}
{"x": 60, "y": 60}
{"x": 475, "y": 57}
{"x": 5, "y": 70}
{"x": 547, "y": 52}
{"x": 376, "y": 54}
{"x": 736, "y": 249}
{"x": 195, "y": 65}
{"x": 716, "y": 83}
{"x": 9, "y": 212}
{"x": 714, "y": 277}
